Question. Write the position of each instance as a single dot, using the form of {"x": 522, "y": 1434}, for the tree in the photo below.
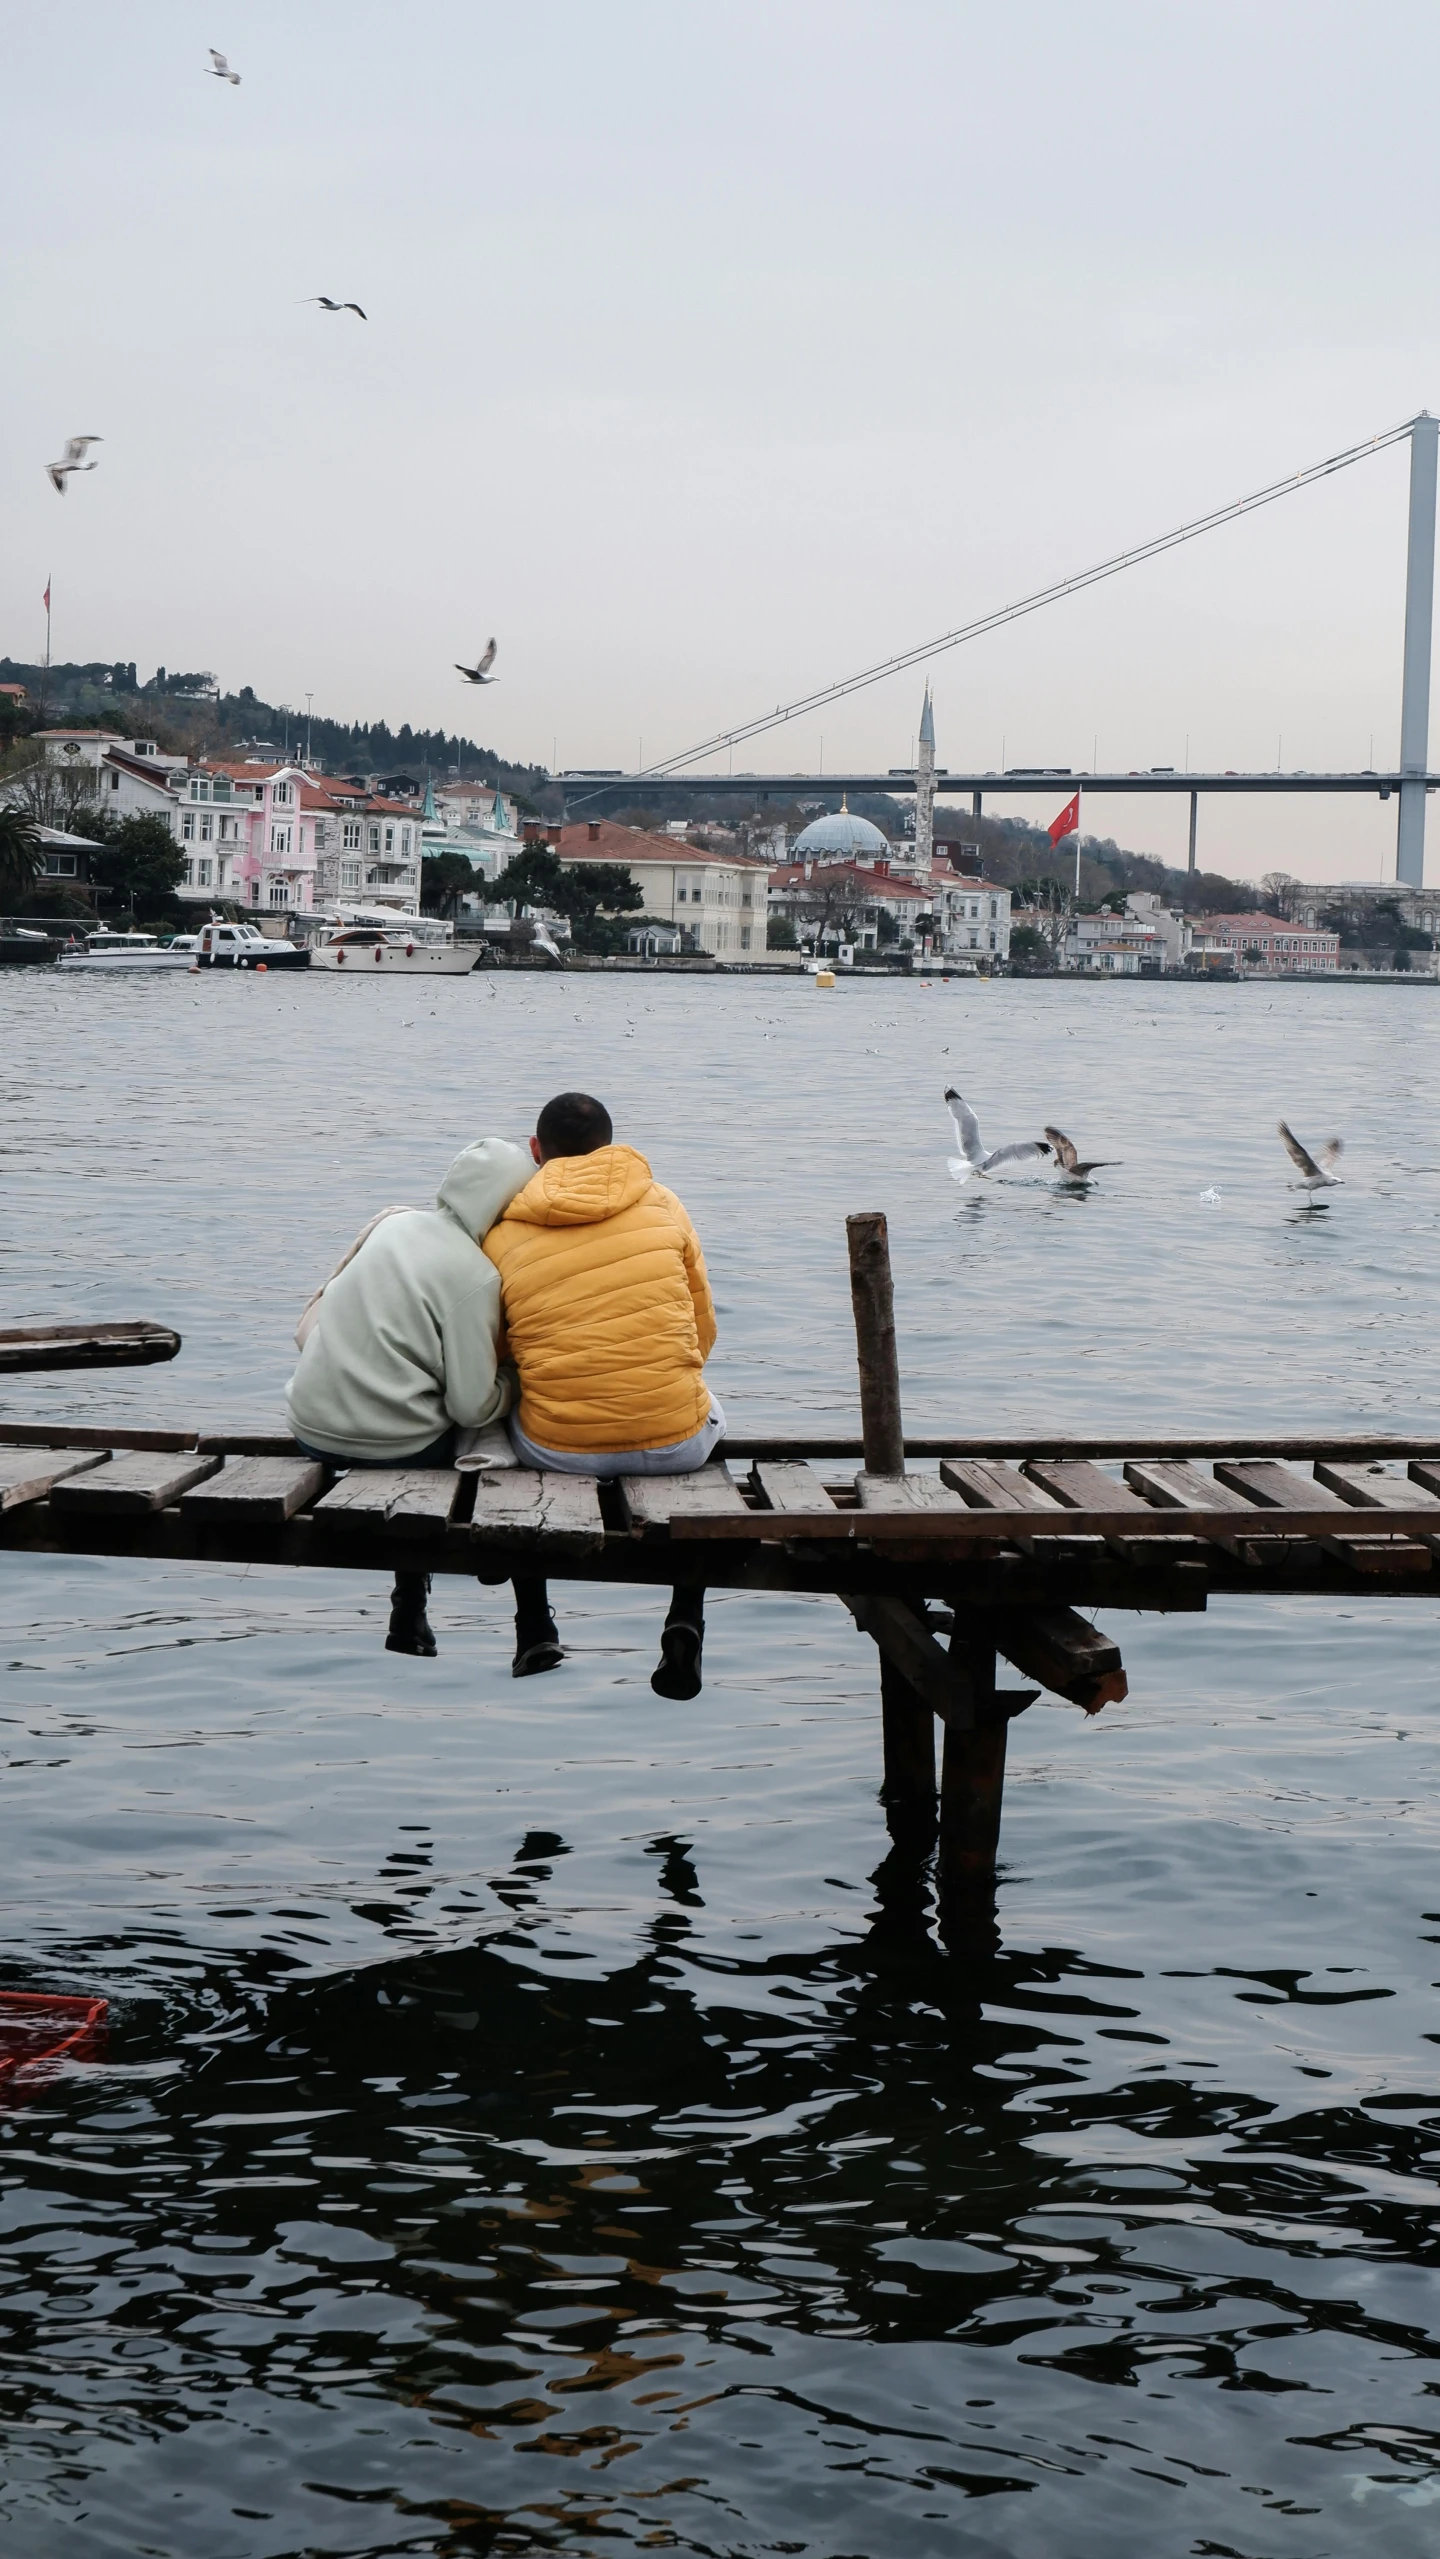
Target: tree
{"x": 780, "y": 934}
{"x": 140, "y": 861}
{"x": 1253, "y": 956}
{"x": 537, "y": 877}
{"x": 444, "y": 879}
{"x": 51, "y": 794}
{"x": 1030, "y": 951}
{"x": 21, "y": 855}
{"x": 1278, "y": 893}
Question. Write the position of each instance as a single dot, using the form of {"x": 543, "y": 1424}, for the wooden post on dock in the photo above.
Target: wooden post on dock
{"x": 908, "y": 1720}
{"x": 972, "y": 1784}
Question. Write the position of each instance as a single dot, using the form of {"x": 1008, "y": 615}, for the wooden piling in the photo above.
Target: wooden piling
{"x": 908, "y": 1719}
{"x": 972, "y": 1784}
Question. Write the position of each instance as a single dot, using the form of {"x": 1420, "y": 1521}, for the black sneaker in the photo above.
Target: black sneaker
{"x": 544, "y": 1651}
{"x": 411, "y": 1632}
{"x": 678, "y": 1673}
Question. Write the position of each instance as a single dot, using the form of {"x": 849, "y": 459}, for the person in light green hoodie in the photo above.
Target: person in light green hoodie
{"x": 398, "y": 1351}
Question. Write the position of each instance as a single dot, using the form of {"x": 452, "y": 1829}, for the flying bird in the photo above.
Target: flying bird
{"x": 220, "y": 69}
{"x": 1071, "y": 1168}
{"x": 72, "y": 459}
{"x": 1314, "y": 1176}
{"x": 480, "y": 672}
{"x": 974, "y": 1156}
{"x": 327, "y": 305}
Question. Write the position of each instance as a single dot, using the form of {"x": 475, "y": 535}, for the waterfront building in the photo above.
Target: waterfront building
{"x": 839, "y": 837}
{"x": 1279, "y": 949}
{"x": 718, "y": 900}
{"x": 864, "y": 906}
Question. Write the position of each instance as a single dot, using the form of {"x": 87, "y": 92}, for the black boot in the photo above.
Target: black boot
{"x": 681, "y": 1644}
{"x": 537, "y": 1637}
{"x": 410, "y": 1628}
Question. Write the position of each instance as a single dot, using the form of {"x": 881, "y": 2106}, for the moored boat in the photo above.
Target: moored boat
{"x": 368, "y": 943}
{"x": 112, "y": 952}
{"x": 242, "y": 946}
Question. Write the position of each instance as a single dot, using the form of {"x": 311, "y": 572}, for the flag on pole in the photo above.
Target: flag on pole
{"x": 47, "y": 595}
{"x": 1067, "y": 823}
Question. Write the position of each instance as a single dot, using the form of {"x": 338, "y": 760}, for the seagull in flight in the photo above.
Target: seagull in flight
{"x": 220, "y": 69}
{"x": 72, "y": 459}
{"x": 974, "y": 1156}
{"x": 1314, "y": 1176}
{"x": 327, "y": 305}
{"x": 1071, "y": 1168}
{"x": 480, "y": 672}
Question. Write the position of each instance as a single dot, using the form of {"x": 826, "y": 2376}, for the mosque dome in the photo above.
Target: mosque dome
{"x": 841, "y": 838}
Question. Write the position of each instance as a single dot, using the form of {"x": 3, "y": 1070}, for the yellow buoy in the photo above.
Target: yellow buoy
{"x": 824, "y": 977}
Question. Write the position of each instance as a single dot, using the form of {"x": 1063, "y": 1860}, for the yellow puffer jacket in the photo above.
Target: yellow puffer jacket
{"x": 607, "y": 1306}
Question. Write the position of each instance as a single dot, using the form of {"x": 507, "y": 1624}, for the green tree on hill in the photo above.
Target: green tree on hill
{"x": 141, "y": 864}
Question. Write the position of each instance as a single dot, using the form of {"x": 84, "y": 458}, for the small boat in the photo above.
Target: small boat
{"x": 416, "y": 945}
{"x": 21, "y": 946}
{"x": 240, "y": 946}
{"x": 123, "y": 951}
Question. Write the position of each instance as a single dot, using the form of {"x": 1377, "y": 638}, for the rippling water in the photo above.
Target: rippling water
{"x": 540, "y": 2118}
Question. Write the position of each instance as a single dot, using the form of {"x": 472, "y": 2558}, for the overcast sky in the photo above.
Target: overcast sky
{"x": 714, "y": 352}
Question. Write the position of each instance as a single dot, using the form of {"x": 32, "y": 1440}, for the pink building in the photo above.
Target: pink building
{"x": 245, "y": 836}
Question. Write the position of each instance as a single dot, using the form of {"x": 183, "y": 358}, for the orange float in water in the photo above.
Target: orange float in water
{"x": 39, "y": 2026}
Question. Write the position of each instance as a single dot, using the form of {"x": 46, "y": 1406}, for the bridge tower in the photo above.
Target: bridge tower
{"x": 925, "y": 794}
{"x": 1415, "y": 681}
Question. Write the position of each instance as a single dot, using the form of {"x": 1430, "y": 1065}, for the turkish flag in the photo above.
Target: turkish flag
{"x": 47, "y": 595}
{"x": 1068, "y": 821}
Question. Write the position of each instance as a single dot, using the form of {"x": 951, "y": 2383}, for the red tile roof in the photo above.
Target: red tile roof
{"x": 634, "y": 844}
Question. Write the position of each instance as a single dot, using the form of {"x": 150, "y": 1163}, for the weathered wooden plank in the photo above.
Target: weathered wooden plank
{"x": 791, "y": 1488}
{"x": 1078, "y": 1484}
{"x": 1371, "y": 1486}
{"x": 964, "y": 1529}
{"x": 410, "y": 1501}
{"x": 987, "y": 1485}
{"x": 134, "y": 1481}
{"x": 521, "y": 1509}
{"x": 26, "y": 1474}
{"x": 1271, "y": 1486}
{"x": 699, "y": 1499}
{"x": 255, "y": 1489}
{"x": 826, "y": 1448}
{"x": 1065, "y": 1653}
{"x": 1169, "y": 1484}
{"x": 901, "y": 1496}
{"x": 1425, "y": 1472}
{"x": 32, "y": 1346}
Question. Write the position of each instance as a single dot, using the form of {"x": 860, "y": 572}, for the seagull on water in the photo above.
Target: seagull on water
{"x": 72, "y": 459}
{"x": 1071, "y": 1168}
{"x": 220, "y": 69}
{"x": 975, "y": 1156}
{"x": 1314, "y": 1176}
{"x": 327, "y": 305}
{"x": 480, "y": 672}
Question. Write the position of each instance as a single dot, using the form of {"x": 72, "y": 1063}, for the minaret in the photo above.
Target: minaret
{"x": 925, "y": 794}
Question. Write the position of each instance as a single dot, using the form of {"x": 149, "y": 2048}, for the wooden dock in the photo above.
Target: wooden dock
{"x": 990, "y": 1553}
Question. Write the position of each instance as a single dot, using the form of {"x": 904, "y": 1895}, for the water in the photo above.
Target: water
{"x": 539, "y": 2119}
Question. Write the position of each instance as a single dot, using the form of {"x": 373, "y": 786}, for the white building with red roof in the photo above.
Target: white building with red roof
{"x": 717, "y": 900}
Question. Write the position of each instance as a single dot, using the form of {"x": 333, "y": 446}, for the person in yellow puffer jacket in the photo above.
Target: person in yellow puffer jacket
{"x": 609, "y": 1321}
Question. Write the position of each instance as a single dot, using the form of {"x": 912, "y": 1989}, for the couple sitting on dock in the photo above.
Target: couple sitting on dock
{"x": 570, "y": 1302}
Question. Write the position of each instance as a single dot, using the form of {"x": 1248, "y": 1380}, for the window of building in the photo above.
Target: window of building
{"x": 187, "y": 828}
{"x": 206, "y": 824}
{"x": 59, "y": 866}
{"x": 204, "y": 868}
{"x": 282, "y": 795}
{"x": 279, "y": 839}
{"x": 279, "y": 892}
{"x": 114, "y": 781}
{"x": 744, "y": 937}
{"x": 389, "y": 839}
{"x": 227, "y": 829}
{"x": 254, "y": 892}
{"x": 745, "y": 893}
{"x": 350, "y": 835}
{"x": 319, "y": 835}
{"x": 374, "y": 839}
{"x": 350, "y": 873}
{"x": 404, "y": 839}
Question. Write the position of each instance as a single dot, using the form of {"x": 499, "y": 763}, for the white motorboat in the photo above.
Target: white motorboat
{"x": 218, "y": 945}
{"x": 365, "y": 943}
{"x": 125, "y": 951}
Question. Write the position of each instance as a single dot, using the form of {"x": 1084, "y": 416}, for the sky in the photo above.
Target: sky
{"x": 714, "y": 353}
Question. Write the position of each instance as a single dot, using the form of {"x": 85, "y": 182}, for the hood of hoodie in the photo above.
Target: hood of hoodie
{"x": 483, "y": 1179}
{"x": 580, "y": 1190}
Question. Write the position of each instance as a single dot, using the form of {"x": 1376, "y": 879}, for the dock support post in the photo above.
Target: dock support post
{"x": 1194, "y": 825}
{"x": 972, "y": 1787}
{"x": 909, "y": 1722}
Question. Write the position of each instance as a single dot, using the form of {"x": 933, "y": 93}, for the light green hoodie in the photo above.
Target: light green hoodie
{"x": 405, "y": 1333}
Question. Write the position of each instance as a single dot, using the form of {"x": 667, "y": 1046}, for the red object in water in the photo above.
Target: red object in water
{"x": 45, "y": 2025}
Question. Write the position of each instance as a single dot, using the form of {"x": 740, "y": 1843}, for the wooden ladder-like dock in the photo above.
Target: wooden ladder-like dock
{"x": 991, "y": 1556}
